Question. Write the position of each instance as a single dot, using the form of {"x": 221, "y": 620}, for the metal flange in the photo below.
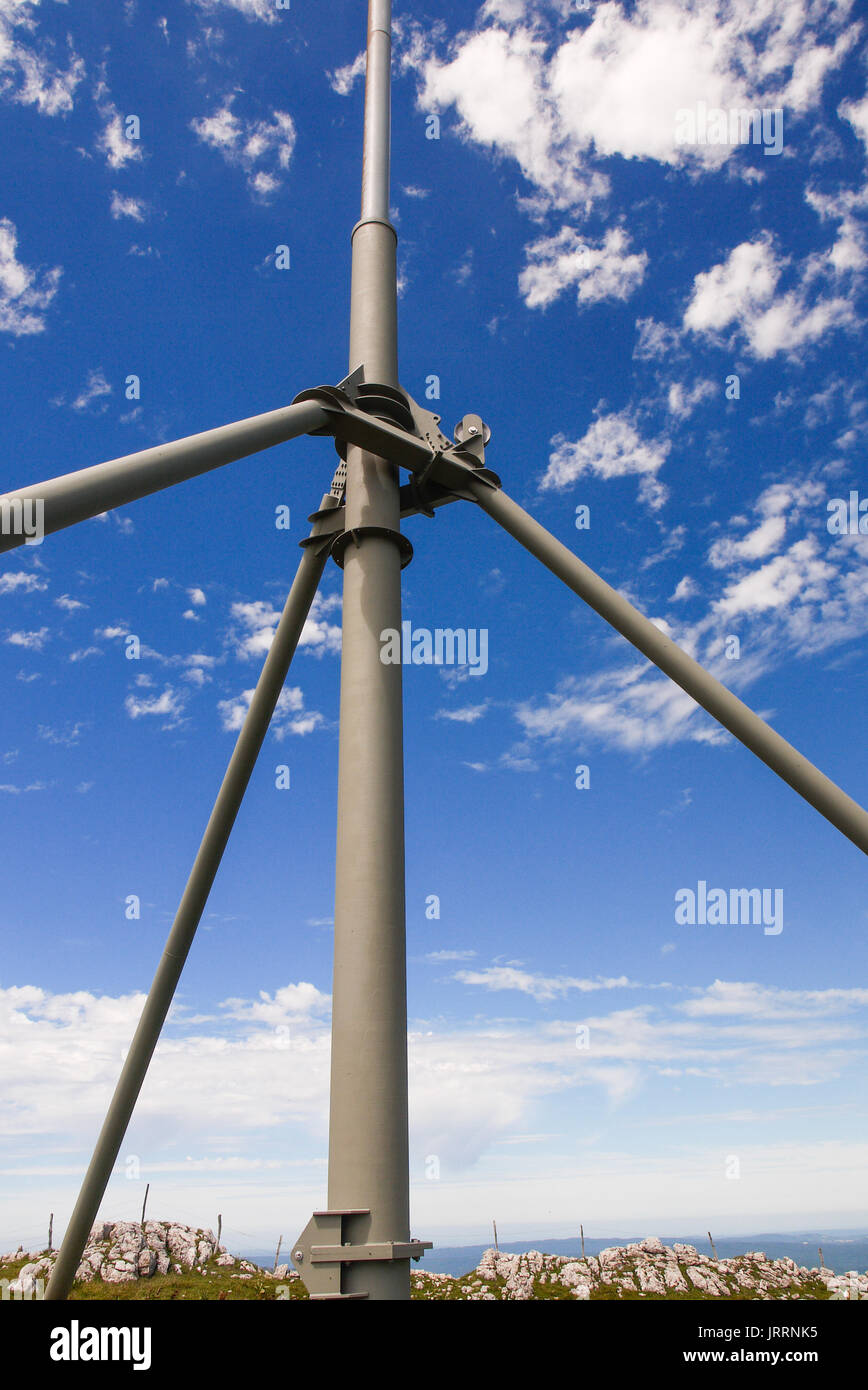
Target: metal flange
{"x": 357, "y": 534}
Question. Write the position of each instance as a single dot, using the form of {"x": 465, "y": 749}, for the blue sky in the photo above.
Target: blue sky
{"x": 668, "y": 333}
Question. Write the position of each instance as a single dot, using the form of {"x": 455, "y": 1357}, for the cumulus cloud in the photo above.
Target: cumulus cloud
{"x": 22, "y": 582}
{"x": 471, "y": 1086}
{"x": 28, "y": 73}
{"x": 557, "y": 103}
{"x": 24, "y": 294}
{"x": 266, "y": 11}
{"x": 557, "y": 263}
{"x": 740, "y": 294}
{"x": 342, "y": 80}
{"x": 33, "y": 641}
{"x": 290, "y": 716}
{"x": 540, "y": 987}
{"x": 682, "y": 400}
{"x": 856, "y": 112}
{"x": 468, "y": 714}
{"x": 112, "y": 140}
{"x": 168, "y": 705}
{"x": 255, "y": 624}
{"x": 127, "y": 207}
{"x": 95, "y": 388}
{"x": 611, "y": 448}
{"x": 263, "y": 149}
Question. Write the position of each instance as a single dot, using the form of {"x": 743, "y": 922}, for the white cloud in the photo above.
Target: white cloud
{"x": 656, "y": 340}
{"x": 244, "y": 1072}
{"x": 497, "y": 82}
{"x": 732, "y": 998}
{"x": 290, "y": 716}
{"x": 113, "y": 142}
{"x": 127, "y": 207}
{"x": 264, "y": 10}
{"x": 683, "y": 400}
{"x": 794, "y": 604}
{"x": 22, "y": 582}
{"x": 438, "y": 956}
{"x": 800, "y": 574}
{"x": 558, "y": 262}
{"x": 197, "y": 597}
{"x": 763, "y": 539}
{"x": 632, "y": 708}
{"x": 469, "y": 714}
{"x": 33, "y": 641}
{"x": 611, "y": 448}
{"x": 557, "y": 103}
{"x": 249, "y": 144}
{"x": 289, "y": 1002}
{"x": 66, "y": 737}
{"x": 257, "y": 621}
{"x": 342, "y": 80}
{"x": 740, "y": 294}
{"x": 540, "y": 987}
{"x": 169, "y": 704}
{"x": 28, "y": 74}
{"x": 856, "y": 112}
{"x": 94, "y": 390}
{"x": 69, "y": 605}
{"x": 23, "y": 294}
{"x": 685, "y": 588}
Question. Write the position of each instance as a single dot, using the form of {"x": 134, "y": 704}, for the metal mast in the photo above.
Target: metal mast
{"x": 368, "y": 1144}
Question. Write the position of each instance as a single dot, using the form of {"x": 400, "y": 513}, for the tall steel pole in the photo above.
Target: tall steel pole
{"x": 368, "y": 1144}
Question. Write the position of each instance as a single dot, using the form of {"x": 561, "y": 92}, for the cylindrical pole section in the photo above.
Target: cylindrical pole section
{"x": 368, "y": 1145}
{"x": 193, "y": 902}
{"x": 822, "y": 793}
{"x": 28, "y": 514}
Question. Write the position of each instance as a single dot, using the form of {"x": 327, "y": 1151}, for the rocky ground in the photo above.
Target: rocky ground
{"x": 121, "y": 1252}
{"x": 124, "y": 1252}
{"x": 648, "y": 1269}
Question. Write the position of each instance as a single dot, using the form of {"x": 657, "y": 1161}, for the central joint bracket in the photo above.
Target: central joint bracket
{"x": 386, "y": 421}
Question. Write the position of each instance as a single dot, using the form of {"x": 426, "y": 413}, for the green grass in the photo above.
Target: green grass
{"x": 216, "y": 1283}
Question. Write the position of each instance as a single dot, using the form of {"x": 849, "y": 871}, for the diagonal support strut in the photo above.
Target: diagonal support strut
{"x": 795, "y": 769}
{"x": 199, "y": 884}
{"x": 73, "y": 497}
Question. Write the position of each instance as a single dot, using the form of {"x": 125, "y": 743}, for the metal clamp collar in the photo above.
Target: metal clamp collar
{"x": 356, "y": 534}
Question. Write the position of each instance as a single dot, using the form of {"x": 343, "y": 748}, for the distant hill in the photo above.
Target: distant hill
{"x": 841, "y": 1251}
